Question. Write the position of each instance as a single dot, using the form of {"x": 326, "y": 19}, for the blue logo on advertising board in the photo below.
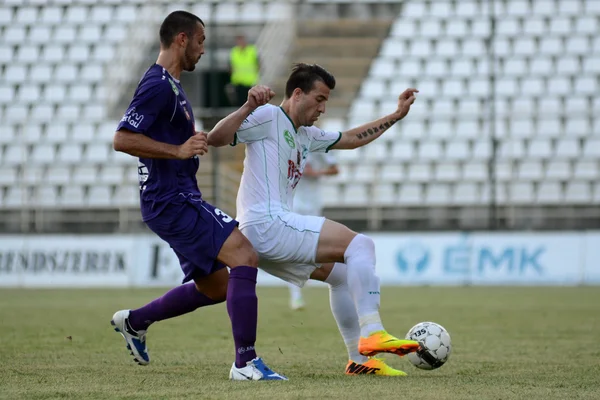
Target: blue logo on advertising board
{"x": 413, "y": 257}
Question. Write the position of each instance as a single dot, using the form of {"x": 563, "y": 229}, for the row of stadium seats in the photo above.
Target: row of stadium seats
{"x": 377, "y": 152}
{"x": 438, "y": 127}
{"x": 70, "y": 196}
{"x": 64, "y": 34}
{"x": 469, "y": 47}
{"x": 481, "y": 27}
{"x": 356, "y": 194}
{"x": 65, "y": 153}
{"x": 29, "y": 93}
{"x": 57, "y": 54}
{"x": 564, "y": 149}
{"x": 64, "y": 174}
{"x": 60, "y": 73}
{"x": 482, "y": 88}
{"x": 55, "y": 132}
{"x": 524, "y": 8}
{"x": 534, "y": 87}
{"x": 225, "y": 12}
{"x": 94, "y": 112}
{"x": 459, "y": 194}
{"x": 468, "y": 67}
{"x": 469, "y": 171}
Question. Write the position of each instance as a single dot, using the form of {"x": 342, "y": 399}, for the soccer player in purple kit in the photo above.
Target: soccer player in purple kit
{"x": 158, "y": 127}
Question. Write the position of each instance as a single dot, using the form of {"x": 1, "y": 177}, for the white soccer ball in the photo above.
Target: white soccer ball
{"x": 435, "y": 343}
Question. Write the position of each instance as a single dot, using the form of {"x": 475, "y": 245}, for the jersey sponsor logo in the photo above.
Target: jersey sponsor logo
{"x": 289, "y": 139}
{"x": 294, "y": 174}
{"x": 133, "y": 118}
{"x": 142, "y": 175}
{"x": 174, "y": 87}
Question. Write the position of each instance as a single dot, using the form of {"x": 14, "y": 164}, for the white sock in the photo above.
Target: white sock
{"x": 295, "y": 292}
{"x": 344, "y": 311}
{"x": 364, "y": 283}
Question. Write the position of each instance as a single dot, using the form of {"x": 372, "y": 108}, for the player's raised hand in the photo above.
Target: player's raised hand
{"x": 405, "y": 100}
{"x": 259, "y": 96}
{"x": 196, "y": 145}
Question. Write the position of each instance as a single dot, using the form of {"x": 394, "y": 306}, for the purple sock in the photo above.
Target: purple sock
{"x": 242, "y": 306}
{"x": 178, "y": 301}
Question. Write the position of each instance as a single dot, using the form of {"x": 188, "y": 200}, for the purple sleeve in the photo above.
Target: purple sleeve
{"x": 150, "y": 101}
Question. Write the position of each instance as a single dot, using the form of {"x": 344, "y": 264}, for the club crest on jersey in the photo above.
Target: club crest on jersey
{"x": 289, "y": 139}
{"x": 174, "y": 87}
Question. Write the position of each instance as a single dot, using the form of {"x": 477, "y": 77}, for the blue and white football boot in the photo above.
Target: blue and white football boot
{"x": 255, "y": 370}
{"x": 136, "y": 341}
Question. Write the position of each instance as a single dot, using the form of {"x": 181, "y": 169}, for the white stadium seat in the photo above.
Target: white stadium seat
{"x": 100, "y": 196}
{"x": 72, "y": 196}
{"x": 465, "y": 194}
{"x": 586, "y": 170}
{"x": 539, "y": 148}
{"x": 438, "y": 194}
{"x": 578, "y": 192}
{"x": 385, "y": 194}
{"x": 410, "y": 194}
{"x": 558, "y": 170}
{"x": 447, "y": 172}
{"x": 529, "y": 170}
{"x": 549, "y": 193}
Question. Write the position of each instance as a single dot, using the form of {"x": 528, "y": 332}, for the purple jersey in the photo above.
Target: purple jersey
{"x": 161, "y": 111}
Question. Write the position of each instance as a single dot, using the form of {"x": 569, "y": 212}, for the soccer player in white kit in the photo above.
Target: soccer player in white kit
{"x": 297, "y": 247}
{"x": 307, "y": 201}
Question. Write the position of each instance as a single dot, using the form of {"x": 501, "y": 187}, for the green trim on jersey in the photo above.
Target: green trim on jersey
{"x": 296, "y": 229}
{"x": 279, "y": 161}
{"x": 266, "y": 176}
{"x": 288, "y": 117}
{"x": 235, "y": 140}
{"x": 333, "y": 144}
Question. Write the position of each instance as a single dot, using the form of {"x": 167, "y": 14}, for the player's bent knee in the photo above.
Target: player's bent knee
{"x": 214, "y": 286}
{"x": 247, "y": 257}
{"x": 363, "y": 243}
{"x": 238, "y": 251}
{"x": 216, "y": 294}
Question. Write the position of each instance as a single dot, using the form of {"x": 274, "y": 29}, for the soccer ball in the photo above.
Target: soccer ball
{"x": 435, "y": 343}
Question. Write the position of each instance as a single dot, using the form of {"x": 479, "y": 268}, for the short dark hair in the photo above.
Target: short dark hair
{"x": 304, "y": 76}
{"x": 175, "y": 23}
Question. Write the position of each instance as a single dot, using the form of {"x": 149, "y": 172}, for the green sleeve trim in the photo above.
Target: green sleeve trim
{"x": 333, "y": 144}
{"x": 235, "y": 140}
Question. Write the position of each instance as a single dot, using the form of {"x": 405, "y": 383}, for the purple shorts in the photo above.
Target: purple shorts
{"x": 196, "y": 231}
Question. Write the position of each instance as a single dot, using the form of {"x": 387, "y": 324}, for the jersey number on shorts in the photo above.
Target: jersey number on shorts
{"x": 226, "y": 218}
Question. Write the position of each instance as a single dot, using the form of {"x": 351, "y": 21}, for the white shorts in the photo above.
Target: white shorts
{"x": 287, "y": 246}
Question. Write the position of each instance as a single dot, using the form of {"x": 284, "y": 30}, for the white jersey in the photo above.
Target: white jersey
{"x": 276, "y": 154}
{"x": 307, "y": 199}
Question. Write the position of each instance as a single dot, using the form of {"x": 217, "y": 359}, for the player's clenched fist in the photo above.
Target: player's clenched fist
{"x": 196, "y": 145}
{"x": 259, "y": 96}
{"x": 405, "y": 100}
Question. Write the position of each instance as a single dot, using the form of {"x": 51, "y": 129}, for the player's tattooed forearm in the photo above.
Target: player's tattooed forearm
{"x": 376, "y": 129}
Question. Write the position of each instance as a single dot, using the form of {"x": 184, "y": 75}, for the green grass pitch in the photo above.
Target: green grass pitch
{"x": 508, "y": 343}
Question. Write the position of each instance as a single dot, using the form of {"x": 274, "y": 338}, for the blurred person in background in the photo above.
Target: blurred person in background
{"x": 307, "y": 201}
{"x": 244, "y": 67}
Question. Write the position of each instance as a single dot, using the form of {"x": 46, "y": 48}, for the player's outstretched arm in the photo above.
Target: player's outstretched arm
{"x": 366, "y": 133}
{"x": 224, "y": 132}
{"x": 140, "y": 145}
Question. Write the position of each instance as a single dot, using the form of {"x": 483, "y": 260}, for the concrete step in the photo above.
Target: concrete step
{"x": 337, "y": 47}
{"x": 340, "y": 67}
{"x": 341, "y": 96}
{"x": 344, "y": 28}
